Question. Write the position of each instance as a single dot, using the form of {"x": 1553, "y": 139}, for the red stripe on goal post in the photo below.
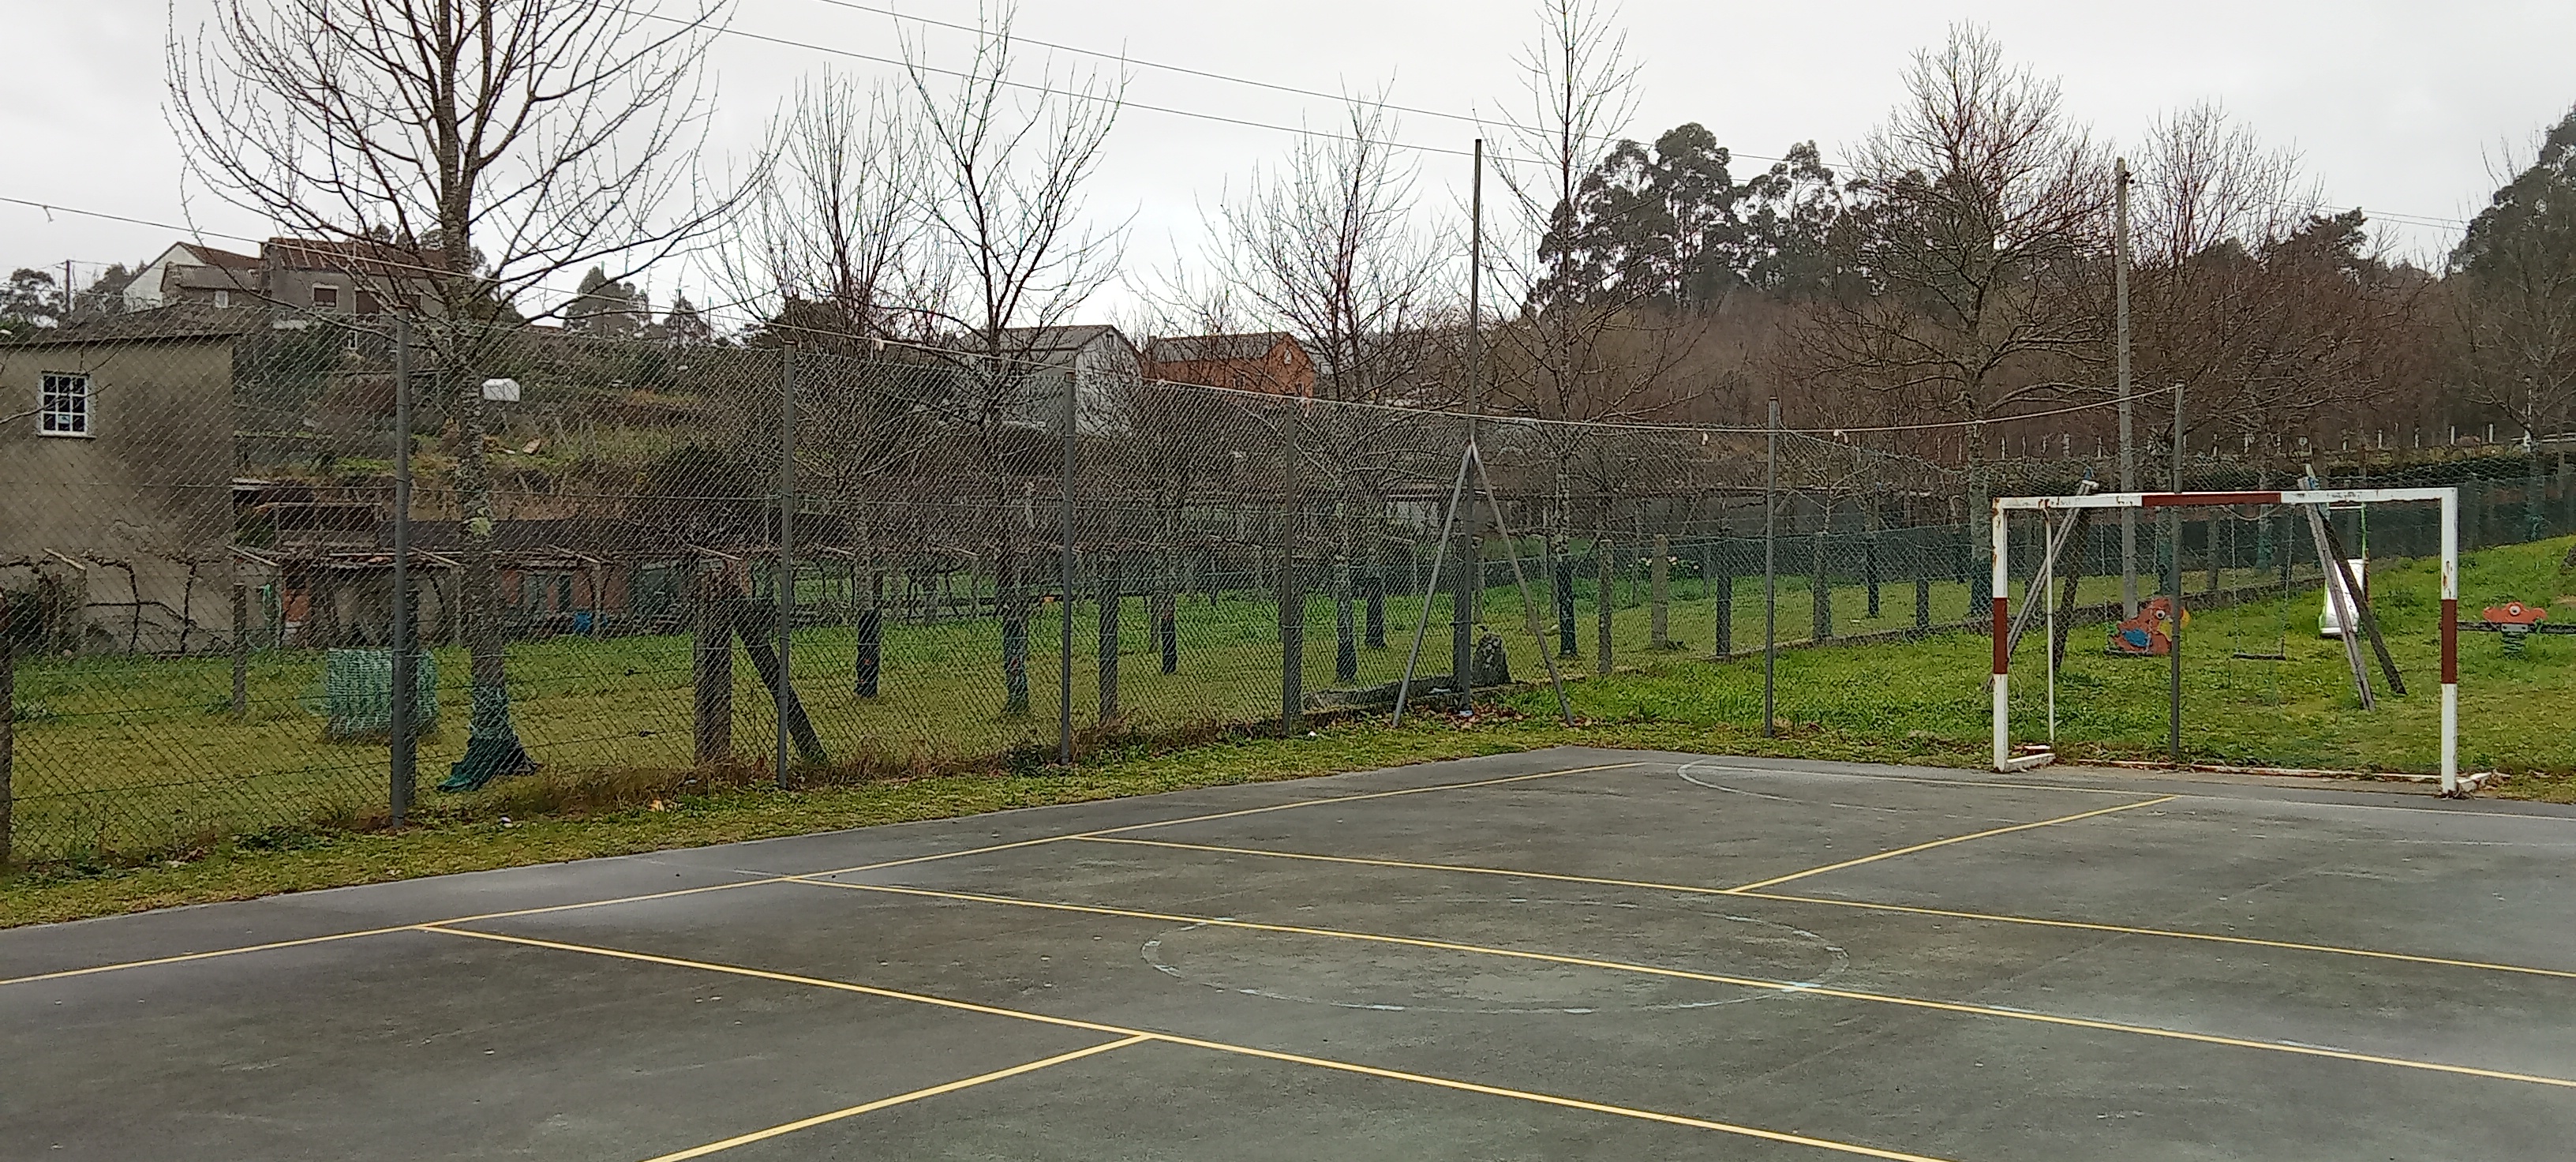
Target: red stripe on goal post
{"x": 2001, "y": 628}
{"x": 2450, "y": 641}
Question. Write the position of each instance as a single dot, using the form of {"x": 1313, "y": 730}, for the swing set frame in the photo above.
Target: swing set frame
{"x": 2317, "y": 500}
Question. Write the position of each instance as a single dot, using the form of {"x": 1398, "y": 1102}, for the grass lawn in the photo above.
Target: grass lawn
{"x": 119, "y": 758}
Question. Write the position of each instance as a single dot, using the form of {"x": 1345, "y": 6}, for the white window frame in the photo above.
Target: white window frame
{"x": 76, "y": 422}
{"x": 318, "y": 289}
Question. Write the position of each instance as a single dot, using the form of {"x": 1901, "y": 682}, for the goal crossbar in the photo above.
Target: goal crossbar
{"x": 2447, "y": 498}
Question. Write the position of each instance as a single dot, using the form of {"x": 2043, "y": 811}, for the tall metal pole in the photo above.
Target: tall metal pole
{"x": 1064, "y": 569}
{"x": 406, "y": 679}
{"x": 1771, "y": 572}
{"x": 786, "y": 545}
{"x": 1471, "y": 568}
{"x": 2128, "y": 407}
{"x": 2173, "y": 585}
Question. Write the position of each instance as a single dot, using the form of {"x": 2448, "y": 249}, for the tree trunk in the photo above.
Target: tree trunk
{"x": 1011, "y": 604}
{"x": 492, "y": 747}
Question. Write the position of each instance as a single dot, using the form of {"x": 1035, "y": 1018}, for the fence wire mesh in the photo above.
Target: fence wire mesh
{"x": 978, "y": 561}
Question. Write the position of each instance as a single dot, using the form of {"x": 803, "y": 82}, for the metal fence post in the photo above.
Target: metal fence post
{"x": 1771, "y": 572}
{"x": 1064, "y": 568}
{"x": 782, "y": 693}
{"x": 8, "y": 726}
{"x": 400, "y": 728}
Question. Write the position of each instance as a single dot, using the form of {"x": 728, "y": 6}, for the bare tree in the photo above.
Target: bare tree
{"x": 465, "y": 152}
{"x": 1984, "y": 234}
{"x": 2233, "y": 297}
{"x": 1008, "y": 159}
{"x": 1328, "y": 248}
{"x": 839, "y": 224}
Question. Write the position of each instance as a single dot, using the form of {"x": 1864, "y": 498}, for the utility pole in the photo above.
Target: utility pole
{"x": 2128, "y": 407}
{"x": 1471, "y": 570}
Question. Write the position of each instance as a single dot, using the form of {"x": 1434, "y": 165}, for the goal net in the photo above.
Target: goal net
{"x": 2255, "y": 642}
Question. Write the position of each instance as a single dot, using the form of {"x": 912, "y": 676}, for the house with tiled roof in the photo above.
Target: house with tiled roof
{"x": 1272, "y": 362}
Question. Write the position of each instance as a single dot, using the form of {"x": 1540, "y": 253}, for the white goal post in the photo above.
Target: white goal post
{"x": 2448, "y": 498}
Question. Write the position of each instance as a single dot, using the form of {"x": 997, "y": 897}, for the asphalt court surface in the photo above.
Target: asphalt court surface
{"x": 1572, "y": 953}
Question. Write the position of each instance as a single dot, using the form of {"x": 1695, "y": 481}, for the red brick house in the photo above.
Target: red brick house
{"x": 1272, "y": 362}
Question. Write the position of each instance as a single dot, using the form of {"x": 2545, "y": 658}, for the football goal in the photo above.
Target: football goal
{"x": 2155, "y": 627}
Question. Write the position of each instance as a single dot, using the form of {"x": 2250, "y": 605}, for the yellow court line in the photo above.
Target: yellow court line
{"x": 1928, "y": 780}
{"x": 1852, "y": 1148}
{"x": 778, "y": 879}
{"x": 1866, "y": 905}
{"x": 1778, "y": 986}
{"x": 1601, "y": 881}
{"x": 1817, "y": 871}
{"x": 896, "y": 1100}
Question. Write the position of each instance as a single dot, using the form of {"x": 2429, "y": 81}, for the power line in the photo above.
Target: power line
{"x": 2424, "y": 220}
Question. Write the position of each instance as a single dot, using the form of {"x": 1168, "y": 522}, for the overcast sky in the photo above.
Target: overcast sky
{"x": 2404, "y": 108}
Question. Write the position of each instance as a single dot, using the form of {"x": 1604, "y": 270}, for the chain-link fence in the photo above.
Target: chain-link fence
{"x": 635, "y": 556}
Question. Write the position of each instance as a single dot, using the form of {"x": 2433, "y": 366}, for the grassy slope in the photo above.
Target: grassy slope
{"x": 1920, "y": 702}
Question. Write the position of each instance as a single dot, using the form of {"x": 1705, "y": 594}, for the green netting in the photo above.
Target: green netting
{"x": 358, "y": 693}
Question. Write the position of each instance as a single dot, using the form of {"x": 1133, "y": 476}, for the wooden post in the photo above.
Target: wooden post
{"x": 757, "y": 622}
{"x": 1660, "y": 592}
{"x": 1723, "y": 575}
{"x": 1376, "y": 608}
{"x": 869, "y": 631}
{"x": 1109, "y": 603}
{"x": 1820, "y": 591}
{"x": 1869, "y": 569}
{"x": 241, "y": 647}
{"x": 711, "y": 667}
{"x": 1605, "y": 604}
{"x": 1292, "y": 644}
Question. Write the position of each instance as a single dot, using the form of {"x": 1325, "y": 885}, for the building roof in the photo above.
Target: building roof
{"x": 1038, "y": 339}
{"x": 1212, "y": 348}
{"x": 205, "y": 255}
{"x": 358, "y": 256}
{"x": 183, "y": 320}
